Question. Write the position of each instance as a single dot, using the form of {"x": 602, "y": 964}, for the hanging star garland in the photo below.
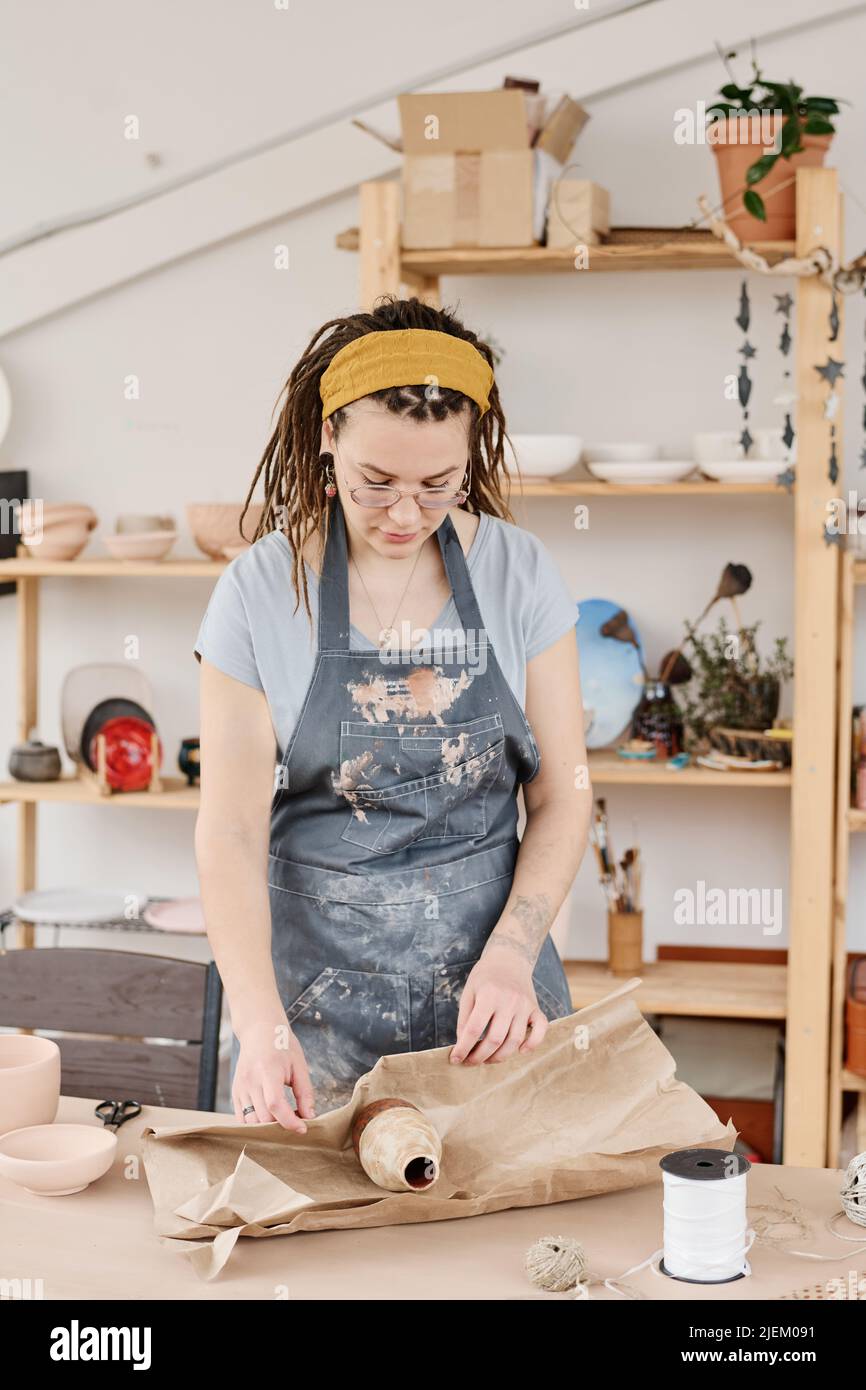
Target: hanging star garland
{"x": 831, "y": 371}
{"x": 744, "y": 381}
{"x": 784, "y": 305}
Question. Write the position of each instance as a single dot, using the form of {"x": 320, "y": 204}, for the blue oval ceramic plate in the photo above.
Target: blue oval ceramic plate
{"x": 611, "y": 675}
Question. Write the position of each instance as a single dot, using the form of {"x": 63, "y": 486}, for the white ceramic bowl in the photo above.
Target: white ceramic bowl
{"x": 29, "y": 1080}
{"x": 770, "y": 445}
{"x": 632, "y": 474}
{"x": 717, "y": 447}
{"x": 54, "y": 1160}
{"x": 744, "y": 470}
{"x": 543, "y": 455}
{"x": 621, "y": 453}
{"x": 140, "y": 545}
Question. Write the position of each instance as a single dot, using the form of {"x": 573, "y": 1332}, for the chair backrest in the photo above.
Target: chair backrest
{"x": 147, "y": 1026}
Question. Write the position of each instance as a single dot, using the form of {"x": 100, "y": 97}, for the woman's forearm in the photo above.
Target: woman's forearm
{"x": 233, "y": 875}
{"x": 551, "y": 850}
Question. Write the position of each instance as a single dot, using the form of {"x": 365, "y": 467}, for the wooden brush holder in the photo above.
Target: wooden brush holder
{"x": 625, "y": 942}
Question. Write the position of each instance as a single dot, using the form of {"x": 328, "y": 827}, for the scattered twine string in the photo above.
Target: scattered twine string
{"x": 559, "y": 1264}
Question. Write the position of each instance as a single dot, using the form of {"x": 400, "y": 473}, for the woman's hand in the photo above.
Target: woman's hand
{"x": 270, "y": 1059}
{"x": 498, "y": 996}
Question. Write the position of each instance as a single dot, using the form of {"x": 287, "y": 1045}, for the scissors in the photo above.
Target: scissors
{"x": 117, "y": 1112}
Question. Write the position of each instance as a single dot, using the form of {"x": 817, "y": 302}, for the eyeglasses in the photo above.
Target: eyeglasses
{"x": 380, "y": 495}
{"x": 383, "y": 495}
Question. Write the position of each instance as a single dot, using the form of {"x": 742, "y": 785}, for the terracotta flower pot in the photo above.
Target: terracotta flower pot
{"x": 736, "y": 145}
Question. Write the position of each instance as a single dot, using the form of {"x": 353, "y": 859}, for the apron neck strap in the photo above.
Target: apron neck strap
{"x": 334, "y": 623}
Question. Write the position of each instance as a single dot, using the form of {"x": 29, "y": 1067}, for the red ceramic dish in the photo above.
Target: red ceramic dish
{"x": 128, "y": 758}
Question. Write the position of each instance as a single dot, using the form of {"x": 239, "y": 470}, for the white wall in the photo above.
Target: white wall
{"x": 212, "y": 339}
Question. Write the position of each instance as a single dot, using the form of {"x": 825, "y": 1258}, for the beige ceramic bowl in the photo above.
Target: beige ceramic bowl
{"x": 130, "y": 522}
{"x": 29, "y": 1080}
{"x": 214, "y": 525}
{"x": 55, "y": 1160}
{"x": 58, "y": 513}
{"x": 140, "y": 545}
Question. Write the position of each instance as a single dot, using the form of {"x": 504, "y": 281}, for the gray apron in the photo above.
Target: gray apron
{"x": 394, "y": 836}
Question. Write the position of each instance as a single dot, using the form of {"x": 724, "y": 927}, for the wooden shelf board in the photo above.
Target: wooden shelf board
{"x": 851, "y": 1081}
{"x": 697, "y": 989}
{"x": 26, "y": 567}
{"x": 856, "y": 819}
{"x": 606, "y": 766}
{"x": 664, "y": 249}
{"x": 176, "y": 795}
{"x": 702, "y": 487}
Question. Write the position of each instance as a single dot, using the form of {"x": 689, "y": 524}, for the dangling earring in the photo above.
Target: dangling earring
{"x": 330, "y": 485}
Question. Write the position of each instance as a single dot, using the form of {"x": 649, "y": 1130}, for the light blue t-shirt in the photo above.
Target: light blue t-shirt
{"x": 251, "y": 633}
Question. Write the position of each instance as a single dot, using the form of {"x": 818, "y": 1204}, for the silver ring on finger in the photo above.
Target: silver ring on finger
{"x": 248, "y": 1110}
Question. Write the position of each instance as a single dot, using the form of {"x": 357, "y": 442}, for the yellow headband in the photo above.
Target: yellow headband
{"x": 404, "y": 357}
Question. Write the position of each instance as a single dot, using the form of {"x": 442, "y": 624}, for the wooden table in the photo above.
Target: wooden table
{"x": 100, "y": 1243}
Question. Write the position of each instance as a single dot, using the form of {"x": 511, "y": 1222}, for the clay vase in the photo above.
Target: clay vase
{"x": 29, "y": 1080}
{"x": 396, "y": 1145}
{"x": 739, "y": 146}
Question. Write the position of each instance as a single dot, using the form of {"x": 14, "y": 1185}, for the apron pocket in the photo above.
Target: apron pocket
{"x": 449, "y": 804}
{"x": 345, "y": 1020}
{"x": 448, "y": 983}
{"x": 551, "y": 1004}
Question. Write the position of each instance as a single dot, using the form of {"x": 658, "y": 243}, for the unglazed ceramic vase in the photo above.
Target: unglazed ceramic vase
{"x": 55, "y": 1160}
{"x": 29, "y": 1081}
{"x": 397, "y": 1146}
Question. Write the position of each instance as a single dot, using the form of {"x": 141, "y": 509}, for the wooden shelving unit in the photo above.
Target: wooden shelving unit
{"x": 849, "y": 821}
{"x": 386, "y": 267}
{"x": 688, "y": 988}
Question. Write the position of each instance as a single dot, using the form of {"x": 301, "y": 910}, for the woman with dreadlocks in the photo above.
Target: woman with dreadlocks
{"x": 375, "y": 897}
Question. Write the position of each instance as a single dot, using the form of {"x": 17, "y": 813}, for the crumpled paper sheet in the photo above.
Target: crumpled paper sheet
{"x": 591, "y": 1110}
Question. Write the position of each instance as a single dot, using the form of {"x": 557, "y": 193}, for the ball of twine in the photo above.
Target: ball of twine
{"x": 556, "y": 1263}
{"x": 854, "y": 1190}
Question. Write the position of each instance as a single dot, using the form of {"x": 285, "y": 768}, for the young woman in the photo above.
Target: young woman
{"x": 376, "y": 898}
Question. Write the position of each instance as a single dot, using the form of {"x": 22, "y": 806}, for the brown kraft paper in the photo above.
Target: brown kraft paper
{"x": 591, "y": 1110}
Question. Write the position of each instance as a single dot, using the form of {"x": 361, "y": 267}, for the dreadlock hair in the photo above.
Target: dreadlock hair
{"x": 292, "y": 465}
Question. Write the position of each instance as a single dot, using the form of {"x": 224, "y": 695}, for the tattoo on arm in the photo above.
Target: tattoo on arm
{"x": 531, "y": 918}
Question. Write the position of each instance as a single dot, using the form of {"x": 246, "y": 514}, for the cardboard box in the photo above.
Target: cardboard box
{"x": 470, "y": 177}
{"x": 585, "y": 206}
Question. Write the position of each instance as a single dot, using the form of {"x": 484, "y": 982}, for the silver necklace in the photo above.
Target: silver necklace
{"x": 383, "y": 630}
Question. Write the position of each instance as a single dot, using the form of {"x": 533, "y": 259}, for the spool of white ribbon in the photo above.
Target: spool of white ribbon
{"x": 705, "y": 1229}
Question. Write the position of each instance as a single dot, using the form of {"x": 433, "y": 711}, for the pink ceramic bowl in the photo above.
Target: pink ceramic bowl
{"x": 55, "y": 1160}
{"x": 61, "y": 542}
{"x": 215, "y": 524}
{"x": 29, "y": 1080}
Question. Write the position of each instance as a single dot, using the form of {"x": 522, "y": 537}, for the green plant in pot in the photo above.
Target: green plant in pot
{"x": 761, "y": 132}
{"x": 729, "y": 686}
{"x": 732, "y": 687}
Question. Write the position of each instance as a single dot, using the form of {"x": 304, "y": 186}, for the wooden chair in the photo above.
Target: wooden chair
{"x": 118, "y": 1003}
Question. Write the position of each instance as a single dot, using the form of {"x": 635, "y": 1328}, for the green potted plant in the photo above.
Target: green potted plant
{"x": 731, "y": 687}
{"x": 761, "y": 132}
